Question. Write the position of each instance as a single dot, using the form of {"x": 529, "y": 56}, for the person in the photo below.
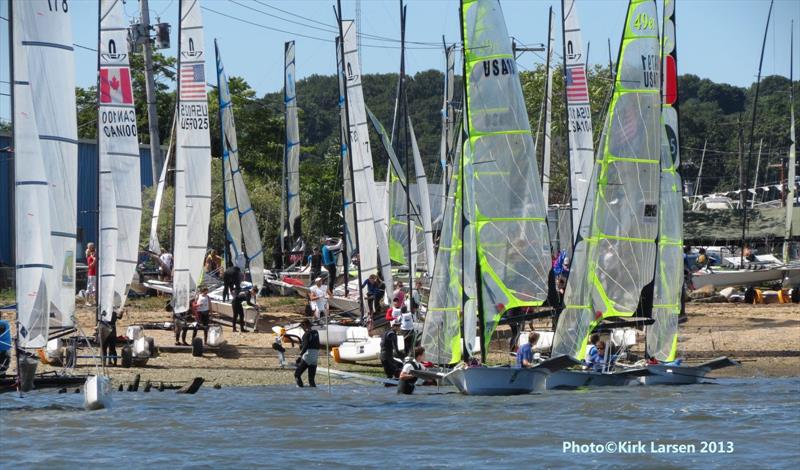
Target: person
{"x": 393, "y": 312}
{"x": 407, "y": 330}
{"x": 748, "y": 254}
{"x": 315, "y": 262}
{"x": 598, "y": 358}
{"x": 525, "y": 353}
{"x": 109, "y": 344}
{"x": 416, "y": 296}
{"x": 407, "y": 380}
{"x": 329, "y": 260}
{"x": 203, "y": 313}
{"x": 277, "y": 345}
{"x": 248, "y": 297}
{"x": 374, "y": 293}
{"x": 91, "y": 284}
{"x": 212, "y": 263}
{"x": 181, "y": 323}
{"x": 318, "y": 295}
{"x": 702, "y": 260}
{"x": 232, "y": 282}
{"x": 165, "y": 265}
{"x": 389, "y": 351}
{"x": 399, "y": 292}
{"x": 309, "y": 353}
{"x": 592, "y": 349}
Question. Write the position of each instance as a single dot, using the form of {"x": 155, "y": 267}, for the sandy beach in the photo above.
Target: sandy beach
{"x": 764, "y": 338}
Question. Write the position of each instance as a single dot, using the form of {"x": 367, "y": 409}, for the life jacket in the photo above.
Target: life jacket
{"x": 406, "y": 386}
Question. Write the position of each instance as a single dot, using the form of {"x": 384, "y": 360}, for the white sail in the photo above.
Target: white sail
{"x": 348, "y": 200}
{"x": 791, "y": 181}
{"x": 291, "y": 160}
{"x": 614, "y": 260}
{"x": 579, "y": 113}
{"x": 153, "y": 245}
{"x": 243, "y": 234}
{"x": 43, "y": 33}
{"x": 374, "y": 246}
{"x": 36, "y": 38}
{"x": 192, "y": 159}
{"x": 423, "y": 197}
{"x": 548, "y": 110}
{"x": 448, "y": 119}
{"x": 120, "y": 208}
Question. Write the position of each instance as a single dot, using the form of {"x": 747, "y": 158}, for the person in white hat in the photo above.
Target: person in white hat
{"x": 318, "y": 295}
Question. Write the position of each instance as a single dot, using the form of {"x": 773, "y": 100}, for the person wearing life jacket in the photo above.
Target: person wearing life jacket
{"x": 407, "y": 380}
{"x": 591, "y": 350}
{"x": 389, "y": 351}
{"x": 309, "y": 355}
{"x": 394, "y": 311}
{"x": 407, "y": 330}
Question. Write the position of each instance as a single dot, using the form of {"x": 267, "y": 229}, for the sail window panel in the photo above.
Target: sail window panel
{"x": 628, "y": 202}
{"x": 493, "y": 107}
{"x": 640, "y": 68}
{"x": 506, "y": 177}
{"x": 669, "y": 287}
{"x": 486, "y": 30}
{"x": 574, "y": 325}
{"x": 662, "y": 334}
{"x": 632, "y": 127}
{"x": 620, "y": 273}
{"x": 671, "y": 208}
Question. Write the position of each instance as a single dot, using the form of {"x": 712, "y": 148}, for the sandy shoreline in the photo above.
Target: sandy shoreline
{"x": 764, "y": 338}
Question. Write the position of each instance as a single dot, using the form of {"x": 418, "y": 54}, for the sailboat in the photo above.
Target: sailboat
{"x": 614, "y": 260}
{"x": 662, "y": 334}
{"x": 242, "y": 237}
{"x": 192, "y": 160}
{"x": 291, "y": 228}
{"x": 499, "y": 253}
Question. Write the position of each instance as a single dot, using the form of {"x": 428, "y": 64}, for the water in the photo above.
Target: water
{"x": 370, "y": 426}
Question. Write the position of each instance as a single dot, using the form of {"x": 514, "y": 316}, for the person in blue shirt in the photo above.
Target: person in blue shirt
{"x": 375, "y": 291}
{"x": 525, "y": 353}
{"x": 329, "y": 254}
{"x": 597, "y": 357}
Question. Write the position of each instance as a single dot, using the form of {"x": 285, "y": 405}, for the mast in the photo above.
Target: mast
{"x": 755, "y": 177}
{"x": 284, "y": 174}
{"x": 98, "y": 176}
{"x": 409, "y": 228}
{"x": 466, "y": 351}
{"x": 753, "y": 130}
{"x": 343, "y": 71}
{"x": 346, "y": 167}
{"x": 700, "y": 171}
{"x": 790, "y": 183}
{"x": 13, "y": 168}
{"x": 548, "y": 105}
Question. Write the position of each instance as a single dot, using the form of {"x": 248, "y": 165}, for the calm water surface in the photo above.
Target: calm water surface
{"x": 362, "y": 426}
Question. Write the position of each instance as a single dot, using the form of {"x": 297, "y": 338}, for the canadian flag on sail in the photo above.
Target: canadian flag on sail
{"x": 115, "y": 85}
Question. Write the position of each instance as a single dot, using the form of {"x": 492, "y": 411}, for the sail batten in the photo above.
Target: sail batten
{"x": 614, "y": 261}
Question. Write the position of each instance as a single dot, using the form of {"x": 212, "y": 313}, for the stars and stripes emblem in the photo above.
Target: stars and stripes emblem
{"x": 577, "y": 88}
{"x": 193, "y": 82}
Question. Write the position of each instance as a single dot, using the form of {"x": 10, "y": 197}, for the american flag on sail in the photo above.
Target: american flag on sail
{"x": 193, "y": 82}
{"x": 577, "y": 90}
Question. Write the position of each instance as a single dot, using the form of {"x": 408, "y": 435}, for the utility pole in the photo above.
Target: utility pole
{"x": 150, "y": 88}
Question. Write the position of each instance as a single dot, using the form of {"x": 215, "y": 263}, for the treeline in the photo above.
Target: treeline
{"x": 715, "y": 114}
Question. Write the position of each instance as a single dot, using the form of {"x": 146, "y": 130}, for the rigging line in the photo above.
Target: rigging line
{"x": 364, "y": 35}
{"x": 165, "y": 8}
{"x": 270, "y": 28}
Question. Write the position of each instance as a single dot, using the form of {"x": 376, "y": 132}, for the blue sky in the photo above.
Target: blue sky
{"x": 717, "y": 39}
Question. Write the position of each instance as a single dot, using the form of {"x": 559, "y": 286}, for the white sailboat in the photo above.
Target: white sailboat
{"x": 192, "y": 160}
{"x": 242, "y": 237}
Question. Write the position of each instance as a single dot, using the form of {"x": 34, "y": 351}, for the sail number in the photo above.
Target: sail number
{"x": 643, "y": 21}
{"x": 56, "y": 5}
{"x": 650, "y": 73}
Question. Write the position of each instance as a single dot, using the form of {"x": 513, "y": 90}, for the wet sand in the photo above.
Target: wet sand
{"x": 764, "y": 338}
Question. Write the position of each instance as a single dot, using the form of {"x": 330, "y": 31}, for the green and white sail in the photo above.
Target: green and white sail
{"x": 579, "y": 113}
{"x": 290, "y": 213}
{"x": 614, "y": 259}
{"x": 192, "y": 159}
{"x": 242, "y": 231}
{"x": 503, "y": 201}
{"x": 662, "y": 335}
{"x": 118, "y": 144}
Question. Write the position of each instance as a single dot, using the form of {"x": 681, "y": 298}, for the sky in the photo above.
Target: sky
{"x": 716, "y": 39}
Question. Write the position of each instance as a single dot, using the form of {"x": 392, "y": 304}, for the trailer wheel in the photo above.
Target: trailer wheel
{"x": 197, "y": 347}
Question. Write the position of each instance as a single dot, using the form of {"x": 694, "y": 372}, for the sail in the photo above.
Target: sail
{"x": 291, "y": 155}
{"x": 121, "y": 207}
{"x": 792, "y": 179}
{"x": 374, "y": 246}
{"x": 579, "y": 113}
{"x": 548, "y": 109}
{"x": 43, "y": 34}
{"x": 242, "y": 227}
{"x": 153, "y": 245}
{"x": 614, "y": 259}
{"x": 37, "y": 39}
{"x": 348, "y": 200}
{"x": 448, "y": 118}
{"x": 423, "y": 196}
{"x": 441, "y": 334}
{"x": 506, "y": 204}
{"x": 192, "y": 158}
{"x": 662, "y": 335}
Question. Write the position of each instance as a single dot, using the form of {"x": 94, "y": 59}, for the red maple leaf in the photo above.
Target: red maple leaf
{"x": 114, "y": 83}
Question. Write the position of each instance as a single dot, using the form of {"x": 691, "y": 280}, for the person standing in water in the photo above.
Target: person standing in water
{"x": 309, "y": 354}
{"x": 407, "y": 380}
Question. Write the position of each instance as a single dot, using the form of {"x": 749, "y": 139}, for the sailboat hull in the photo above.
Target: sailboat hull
{"x": 97, "y": 392}
{"x": 497, "y": 381}
{"x": 663, "y": 374}
{"x": 571, "y": 379}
